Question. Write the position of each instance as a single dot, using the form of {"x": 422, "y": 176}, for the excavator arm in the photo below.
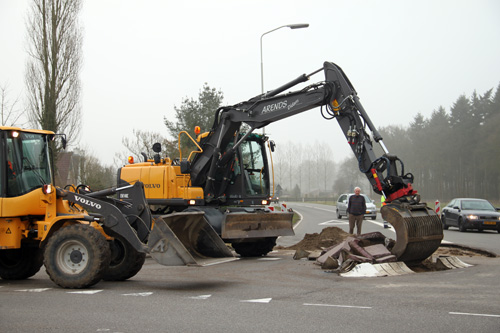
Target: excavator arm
{"x": 418, "y": 228}
{"x": 338, "y": 100}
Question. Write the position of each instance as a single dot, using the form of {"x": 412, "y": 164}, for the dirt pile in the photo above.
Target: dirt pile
{"x": 333, "y": 246}
{"x": 316, "y": 242}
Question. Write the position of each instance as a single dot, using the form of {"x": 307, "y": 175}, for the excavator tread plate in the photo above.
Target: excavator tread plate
{"x": 257, "y": 224}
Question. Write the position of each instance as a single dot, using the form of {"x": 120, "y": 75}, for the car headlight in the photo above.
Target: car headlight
{"x": 472, "y": 217}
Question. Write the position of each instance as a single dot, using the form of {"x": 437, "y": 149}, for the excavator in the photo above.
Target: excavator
{"x": 80, "y": 236}
{"x": 227, "y": 176}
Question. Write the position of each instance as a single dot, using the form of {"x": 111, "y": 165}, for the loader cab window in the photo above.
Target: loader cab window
{"x": 27, "y": 162}
{"x": 254, "y": 168}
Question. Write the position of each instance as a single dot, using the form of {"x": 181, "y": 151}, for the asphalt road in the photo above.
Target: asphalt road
{"x": 270, "y": 294}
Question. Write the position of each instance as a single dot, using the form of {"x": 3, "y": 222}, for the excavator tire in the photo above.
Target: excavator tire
{"x": 419, "y": 230}
{"x": 20, "y": 264}
{"x": 125, "y": 261}
{"x": 76, "y": 256}
{"x": 254, "y": 248}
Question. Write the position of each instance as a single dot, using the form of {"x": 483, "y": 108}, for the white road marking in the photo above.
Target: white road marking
{"x": 139, "y": 294}
{"x": 261, "y": 300}
{"x": 333, "y": 222}
{"x": 340, "y": 306}
{"x": 474, "y": 314}
{"x": 328, "y": 210}
{"x": 84, "y": 292}
{"x": 201, "y": 297}
{"x": 37, "y": 290}
{"x": 300, "y": 219}
{"x": 269, "y": 258}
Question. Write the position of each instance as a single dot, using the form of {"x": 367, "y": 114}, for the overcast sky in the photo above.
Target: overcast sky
{"x": 141, "y": 58}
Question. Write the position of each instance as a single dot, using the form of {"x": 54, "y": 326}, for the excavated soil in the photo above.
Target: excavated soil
{"x": 328, "y": 237}
{"x": 331, "y": 236}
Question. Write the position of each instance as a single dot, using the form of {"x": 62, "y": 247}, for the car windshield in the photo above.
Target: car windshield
{"x": 477, "y": 205}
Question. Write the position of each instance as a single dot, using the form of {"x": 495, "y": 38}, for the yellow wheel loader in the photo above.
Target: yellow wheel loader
{"x": 80, "y": 236}
{"x": 228, "y": 176}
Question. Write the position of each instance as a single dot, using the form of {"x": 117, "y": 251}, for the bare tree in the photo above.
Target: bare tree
{"x": 9, "y": 112}
{"x": 142, "y": 142}
{"x": 52, "y": 75}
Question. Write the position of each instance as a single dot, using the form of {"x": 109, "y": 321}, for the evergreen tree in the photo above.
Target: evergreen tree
{"x": 192, "y": 113}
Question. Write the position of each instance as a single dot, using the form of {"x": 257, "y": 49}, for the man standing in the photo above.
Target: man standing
{"x": 356, "y": 208}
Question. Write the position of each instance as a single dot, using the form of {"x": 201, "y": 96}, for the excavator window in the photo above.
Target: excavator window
{"x": 254, "y": 168}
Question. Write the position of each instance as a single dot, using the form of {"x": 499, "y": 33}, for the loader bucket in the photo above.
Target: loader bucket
{"x": 257, "y": 224}
{"x": 180, "y": 239}
{"x": 419, "y": 230}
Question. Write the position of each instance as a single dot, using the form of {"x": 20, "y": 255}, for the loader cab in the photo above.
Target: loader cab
{"x": 249, "y": 172}
{"x": 24, "y": 156}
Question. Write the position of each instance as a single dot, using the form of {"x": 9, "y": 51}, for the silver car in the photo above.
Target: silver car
{"x": 371, "y": 209}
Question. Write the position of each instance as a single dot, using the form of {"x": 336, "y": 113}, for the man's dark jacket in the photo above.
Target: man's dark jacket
{"x": 356, "y": 205}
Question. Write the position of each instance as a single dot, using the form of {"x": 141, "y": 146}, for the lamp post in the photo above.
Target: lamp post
{"x": 291, "y": 26}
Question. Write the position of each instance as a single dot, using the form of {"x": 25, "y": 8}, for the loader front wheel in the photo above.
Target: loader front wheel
{"x": 125, "y": 261}
{"x": 76, "y": 256}
{"x": 20, "y": 264}
{"x": 254, "y": 248}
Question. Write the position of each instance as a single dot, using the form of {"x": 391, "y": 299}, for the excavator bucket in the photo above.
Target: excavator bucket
{"x": 180, "y": 239}
{"x": 419, "y": 230}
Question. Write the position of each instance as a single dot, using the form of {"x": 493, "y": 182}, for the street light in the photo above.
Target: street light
{"x": 291, "y": 26}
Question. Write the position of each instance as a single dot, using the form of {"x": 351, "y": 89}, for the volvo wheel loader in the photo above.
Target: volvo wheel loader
{"x": 228, "y": 176}
{"x": 80, "y": 236}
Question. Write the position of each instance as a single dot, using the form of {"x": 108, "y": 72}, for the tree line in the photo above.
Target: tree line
{"x": 451, "y": 154}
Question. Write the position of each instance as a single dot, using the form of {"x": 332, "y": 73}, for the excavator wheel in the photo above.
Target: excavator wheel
{"x": 419, "y": 230}
{"x": 76, "y": 256}
{"x": 254, "y": 247}
{"x": 20, "y": 264}
{"x": 125, "y": 261}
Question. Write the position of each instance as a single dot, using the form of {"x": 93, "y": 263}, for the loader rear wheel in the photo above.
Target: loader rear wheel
{"x": 125, "y": 261}
{"x": 76, "y": 256}
{"x": 20, "y": 264}
{"x": 256, "y": 248}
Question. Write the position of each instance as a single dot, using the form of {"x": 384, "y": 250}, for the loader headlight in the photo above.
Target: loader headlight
{"x": 472, "y": 217}
{"x": 192, "y": 202}
{"x": 265, "y": 202}
{"x": 47, "y": 189}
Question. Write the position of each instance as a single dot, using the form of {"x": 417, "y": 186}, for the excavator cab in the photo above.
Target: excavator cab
{"x": 246, "y": 178}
